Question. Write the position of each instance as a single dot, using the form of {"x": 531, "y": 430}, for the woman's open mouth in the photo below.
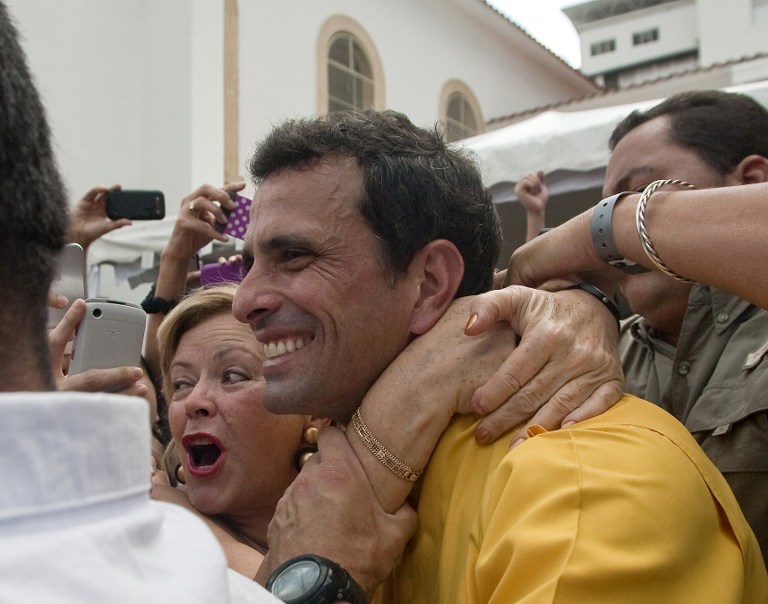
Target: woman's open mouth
{"x": 205, "y": 454}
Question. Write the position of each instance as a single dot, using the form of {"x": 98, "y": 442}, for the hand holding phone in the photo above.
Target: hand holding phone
{"x": 135, "y": 204}
{"x": 111, "y": 334}
{"x": 237, "y": 218}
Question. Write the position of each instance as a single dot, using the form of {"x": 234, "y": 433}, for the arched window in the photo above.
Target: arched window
{"x": 349, "y": 70}
{"x": 460, "y": 119}
{"x": 350, "y": 76}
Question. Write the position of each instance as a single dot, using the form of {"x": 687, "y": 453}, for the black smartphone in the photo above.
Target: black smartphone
{"x": 135, "y": 204}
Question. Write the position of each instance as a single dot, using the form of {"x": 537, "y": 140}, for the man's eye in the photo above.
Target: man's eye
{"x": 297, "y": 258}
{"x": 294, "y": 253}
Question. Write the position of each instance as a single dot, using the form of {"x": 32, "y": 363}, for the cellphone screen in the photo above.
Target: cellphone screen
{"x": 69, "y": 280}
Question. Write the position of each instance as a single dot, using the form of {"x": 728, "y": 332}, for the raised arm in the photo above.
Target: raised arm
{"x": 193, "y": 229}
{"x": 533, "y": 195}
{"x": 716, "y": 236}
{"x": 88, "y": 217}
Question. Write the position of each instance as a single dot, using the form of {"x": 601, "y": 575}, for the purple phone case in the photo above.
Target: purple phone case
{"x": 238, "y": 219}
{"x": 218, "y": 273}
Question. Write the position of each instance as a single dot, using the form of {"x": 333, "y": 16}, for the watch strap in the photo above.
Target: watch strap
{"x": 600, "y": 295}
{"x": 334, "y": 584}
{"x": 602, "y": 236}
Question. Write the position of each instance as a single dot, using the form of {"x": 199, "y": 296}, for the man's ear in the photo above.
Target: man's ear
{"x": 752, "y": 169}
{"x": 437, "y": 270}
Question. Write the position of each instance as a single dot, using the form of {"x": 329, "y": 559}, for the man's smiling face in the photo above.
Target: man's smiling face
{"x": 317, "y": 292}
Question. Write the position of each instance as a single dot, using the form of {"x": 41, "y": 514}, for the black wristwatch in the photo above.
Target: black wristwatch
{"x": 152, "y": 304}
{"x": 311, "y": 579}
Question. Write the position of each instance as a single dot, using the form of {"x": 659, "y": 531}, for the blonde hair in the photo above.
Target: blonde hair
{"x": 190, "y": 312}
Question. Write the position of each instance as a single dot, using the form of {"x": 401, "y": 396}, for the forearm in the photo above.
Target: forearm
{"x": 412, "y": 402}
{"x": 716, "y": 236}
{"x": 535, "y": 222}
{"x": 405, "y": 421}
{"x": 171, "y": 285}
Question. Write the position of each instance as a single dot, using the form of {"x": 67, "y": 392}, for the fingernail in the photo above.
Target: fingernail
{"x": 482, "y": 436}
{"x": 137, "y": 373}
{"x": 61, "y": 300}
{"x": 471, "y": 322}
{"x": 567, "y": 424}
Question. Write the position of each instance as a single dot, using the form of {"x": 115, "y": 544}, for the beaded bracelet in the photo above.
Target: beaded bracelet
{"x": 380, "y": 452}
{"x": 642, "y": 229}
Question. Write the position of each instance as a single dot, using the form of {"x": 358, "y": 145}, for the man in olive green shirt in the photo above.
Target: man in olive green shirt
{"x": 695, "y": 350}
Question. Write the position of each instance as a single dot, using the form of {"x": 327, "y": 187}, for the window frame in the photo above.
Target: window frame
{"x": 450, "y": 90}
{"x": 329, "y": 32}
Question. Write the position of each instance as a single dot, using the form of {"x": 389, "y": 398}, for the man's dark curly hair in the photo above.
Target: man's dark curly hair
{"x": 417, "y": 187}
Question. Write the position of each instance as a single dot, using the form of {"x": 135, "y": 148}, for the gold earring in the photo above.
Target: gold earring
{"x": 310, "y": 435}
{"x": 308, "y": 449}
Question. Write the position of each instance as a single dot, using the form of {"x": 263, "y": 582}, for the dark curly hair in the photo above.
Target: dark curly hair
{"x": 417, "y": 187}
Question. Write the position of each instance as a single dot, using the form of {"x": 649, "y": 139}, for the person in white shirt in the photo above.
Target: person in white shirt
{"x": 76, "y": 520}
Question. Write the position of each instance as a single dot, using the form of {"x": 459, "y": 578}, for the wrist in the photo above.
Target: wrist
{"x": 603, "y": 238}
{"x": 309, "y": 578}
{"x": 174, "y": 256}
{"x": 157, "y": 304}
{"x": 599, "y": 295}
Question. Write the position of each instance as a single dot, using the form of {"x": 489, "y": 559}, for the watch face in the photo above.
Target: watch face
{"x": 297, "y": 580}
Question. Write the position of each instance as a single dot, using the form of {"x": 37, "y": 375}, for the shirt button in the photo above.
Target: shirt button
{"x": 722, "y": 317}
{"x": 684, "y": 368}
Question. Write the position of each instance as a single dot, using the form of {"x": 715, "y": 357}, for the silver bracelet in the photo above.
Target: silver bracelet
{"x": 642, "y": 229}
{"x": 602, "y": 236}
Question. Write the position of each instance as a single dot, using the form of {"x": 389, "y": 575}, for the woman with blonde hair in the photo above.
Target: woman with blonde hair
{"x": 235, "y": 458}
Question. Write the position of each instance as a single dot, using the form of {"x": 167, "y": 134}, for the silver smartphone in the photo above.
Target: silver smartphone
{"x": 111, "y": 334}
{"x": 69, "y": 280}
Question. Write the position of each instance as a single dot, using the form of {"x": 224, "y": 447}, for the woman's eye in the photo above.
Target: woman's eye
{"x": 234, "y": 377}
{"x": 179, "y": 385}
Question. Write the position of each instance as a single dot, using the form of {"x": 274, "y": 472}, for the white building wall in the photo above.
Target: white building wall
{"x": 678, "y": 33}
{"x": 115, "y": 79}
{"x": 731, "y": 30}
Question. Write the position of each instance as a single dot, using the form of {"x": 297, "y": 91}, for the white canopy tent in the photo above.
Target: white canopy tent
{"x": 572, "y": 146}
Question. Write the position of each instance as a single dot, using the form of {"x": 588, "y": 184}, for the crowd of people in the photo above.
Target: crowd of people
{"x": 362, "y": 417}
